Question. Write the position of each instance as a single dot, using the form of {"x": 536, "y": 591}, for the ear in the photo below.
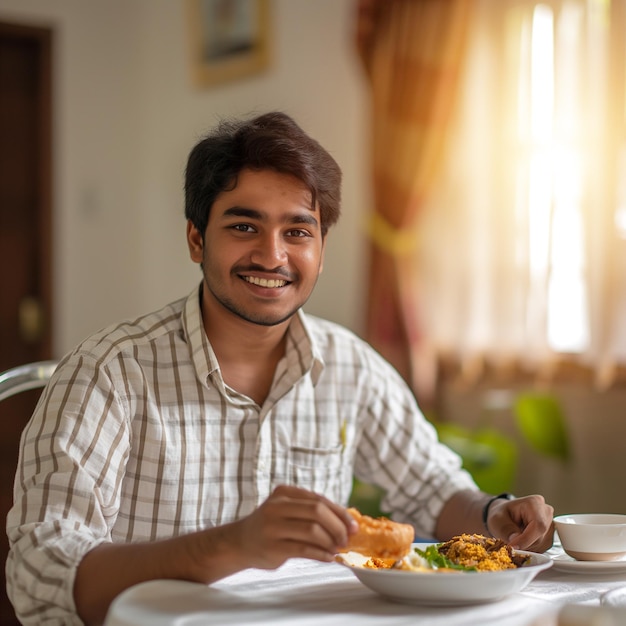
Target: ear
{"x": 195, "y": 242}
{"x": 321, "y": 267}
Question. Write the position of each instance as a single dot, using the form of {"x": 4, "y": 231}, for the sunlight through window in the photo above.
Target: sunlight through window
{"x": 523, "y": 241}
{"x": 555, "y": 194}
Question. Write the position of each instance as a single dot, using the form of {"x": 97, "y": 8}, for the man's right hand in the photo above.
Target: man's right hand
{"x": 293, "y": 522}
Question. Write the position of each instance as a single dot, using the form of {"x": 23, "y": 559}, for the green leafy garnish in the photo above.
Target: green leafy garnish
{"x": 436, "y": 560}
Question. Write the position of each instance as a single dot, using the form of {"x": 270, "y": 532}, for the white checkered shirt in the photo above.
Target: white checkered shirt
{"x": 137, "y": 437}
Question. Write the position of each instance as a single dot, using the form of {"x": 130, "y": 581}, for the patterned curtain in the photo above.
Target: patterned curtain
{"x": 412, "y": 51}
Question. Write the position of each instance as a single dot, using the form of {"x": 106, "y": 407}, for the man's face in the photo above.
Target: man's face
{"x": 263, "y": 249}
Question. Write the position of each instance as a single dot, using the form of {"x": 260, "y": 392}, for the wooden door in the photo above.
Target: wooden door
{"x": 25, "y": 237}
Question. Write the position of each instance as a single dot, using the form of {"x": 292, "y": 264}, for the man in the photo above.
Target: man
{"x": 223, "y": 431}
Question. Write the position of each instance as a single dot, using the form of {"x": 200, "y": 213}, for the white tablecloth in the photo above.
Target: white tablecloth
{"x": 308, "y": 593}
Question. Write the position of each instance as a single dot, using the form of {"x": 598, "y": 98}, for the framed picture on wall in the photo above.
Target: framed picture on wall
{"x": 229, "y": 39}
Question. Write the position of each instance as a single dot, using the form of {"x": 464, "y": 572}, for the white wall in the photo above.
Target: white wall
{"x": 126, "y": 116}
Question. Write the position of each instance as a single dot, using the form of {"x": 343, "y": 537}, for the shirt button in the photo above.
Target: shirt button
{"x": 261, "y": 465}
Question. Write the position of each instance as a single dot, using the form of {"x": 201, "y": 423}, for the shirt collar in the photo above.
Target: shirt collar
{"x": 202, "y": 355}
{"x": 305, "y": 347}
{"x": 302, "y": 350}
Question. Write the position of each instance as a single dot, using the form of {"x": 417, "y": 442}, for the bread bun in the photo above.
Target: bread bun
{"x": 380, "y": 537}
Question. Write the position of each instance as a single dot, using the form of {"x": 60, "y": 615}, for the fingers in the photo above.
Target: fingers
{"x": 525, "y": 523}
{"x": 533, "y": 538}
{"x": 298, "y": 493}
{"x": 294, "y": 522}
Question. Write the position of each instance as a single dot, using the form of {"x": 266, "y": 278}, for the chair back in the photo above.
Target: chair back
{"x": 14, "y": 413}
{"x": 24, "y": 377}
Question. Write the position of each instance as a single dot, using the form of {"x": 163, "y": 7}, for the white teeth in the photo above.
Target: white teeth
{"x": 264, "y": 282}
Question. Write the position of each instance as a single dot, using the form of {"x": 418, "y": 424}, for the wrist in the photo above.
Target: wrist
{"x": 213, "y": 553}
{"x": 487, "y": 507}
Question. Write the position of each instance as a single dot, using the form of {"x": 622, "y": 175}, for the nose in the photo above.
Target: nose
{"x": 270, "y": 250}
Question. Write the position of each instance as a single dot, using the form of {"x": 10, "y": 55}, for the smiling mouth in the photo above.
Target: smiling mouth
{"x": 265, "y": 282}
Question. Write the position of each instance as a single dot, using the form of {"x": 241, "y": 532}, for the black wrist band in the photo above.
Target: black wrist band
{"x": 502, "y": 496}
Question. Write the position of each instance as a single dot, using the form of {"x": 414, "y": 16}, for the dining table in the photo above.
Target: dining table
{"x": 306, "y": 593}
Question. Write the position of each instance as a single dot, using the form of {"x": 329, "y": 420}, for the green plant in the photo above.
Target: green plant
{"x": 488, "y": 455}
{"x": 366, "y": 498}
{"x": 542, "y": 422}
{"x": 491, "y": 456}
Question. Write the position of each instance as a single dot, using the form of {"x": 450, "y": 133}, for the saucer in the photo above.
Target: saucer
{"x": 565, "y": 563}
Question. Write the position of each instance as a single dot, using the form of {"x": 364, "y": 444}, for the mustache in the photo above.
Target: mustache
{"x": 281, "y": 271}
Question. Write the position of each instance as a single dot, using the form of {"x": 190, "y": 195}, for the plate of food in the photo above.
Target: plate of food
{"x": 468, "y": 569}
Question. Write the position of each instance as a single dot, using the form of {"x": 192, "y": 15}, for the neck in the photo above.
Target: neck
{"x": 248, "y": 353}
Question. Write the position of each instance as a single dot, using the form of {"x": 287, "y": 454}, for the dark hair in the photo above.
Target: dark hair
{"x": 271, "y": 141}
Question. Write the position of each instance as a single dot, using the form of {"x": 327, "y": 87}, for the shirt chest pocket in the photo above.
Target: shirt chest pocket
{"x": 323, "y": 470}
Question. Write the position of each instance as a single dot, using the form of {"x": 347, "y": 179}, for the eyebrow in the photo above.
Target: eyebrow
{"x": 239, "y": 211}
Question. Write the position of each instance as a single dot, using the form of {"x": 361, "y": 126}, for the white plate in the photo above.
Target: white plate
{"x": 565, "y": 563}
{"x": 450, "y": 588}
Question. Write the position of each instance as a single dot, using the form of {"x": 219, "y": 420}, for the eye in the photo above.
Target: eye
{"x": 298, "y": 232}
{"x": 243, "y": 228}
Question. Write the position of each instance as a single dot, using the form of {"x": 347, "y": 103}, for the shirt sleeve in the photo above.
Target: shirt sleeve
{"x": 66, "y": 491}
{"x": 399, "y": 451}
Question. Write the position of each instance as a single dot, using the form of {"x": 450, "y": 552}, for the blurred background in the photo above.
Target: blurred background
{"x": 126, "y": 112}
{"x": 481, "y": 245}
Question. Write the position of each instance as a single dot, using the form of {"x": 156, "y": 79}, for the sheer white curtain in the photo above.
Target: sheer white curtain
{"x": 522, "y": 254}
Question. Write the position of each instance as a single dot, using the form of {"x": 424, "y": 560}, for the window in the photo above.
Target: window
{"x": 523, "y": 245}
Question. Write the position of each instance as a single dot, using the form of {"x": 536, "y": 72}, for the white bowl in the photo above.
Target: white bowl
{"x": 592, "y": 536}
